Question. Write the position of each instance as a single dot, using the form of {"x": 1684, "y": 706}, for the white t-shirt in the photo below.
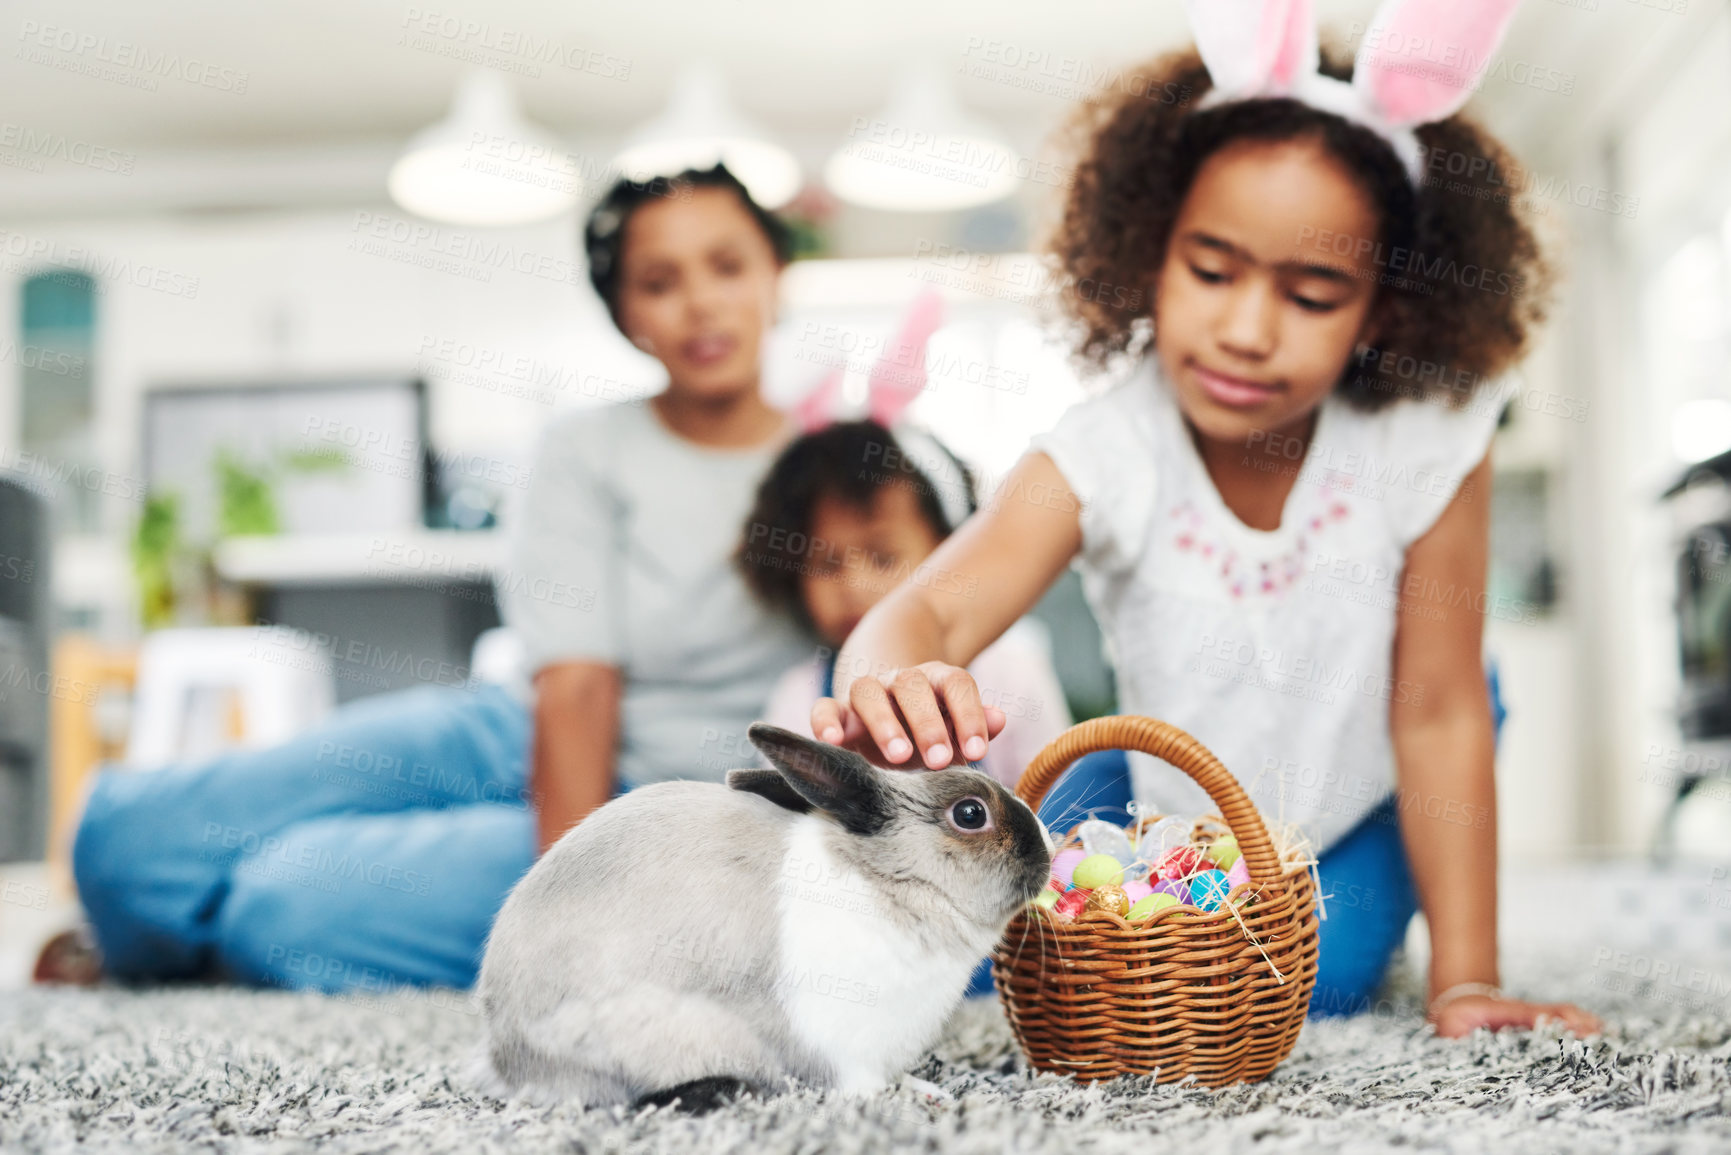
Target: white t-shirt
{"x": 622, "y": 552}
{"x": 1014, "y": 674}
{"x": 1273, "y": 648}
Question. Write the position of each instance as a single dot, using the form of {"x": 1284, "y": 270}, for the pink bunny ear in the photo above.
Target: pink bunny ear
{"x": 1255, "y": 47}
{"x": 900, "y": 374}
{"x": 1422, "y": 58}
{"x": 817, "y": 408}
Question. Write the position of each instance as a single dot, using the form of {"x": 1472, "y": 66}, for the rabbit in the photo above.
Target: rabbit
{"x": 692, "y": 941}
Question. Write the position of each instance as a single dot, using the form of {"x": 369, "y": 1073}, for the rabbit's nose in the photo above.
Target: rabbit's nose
{"x": 1046, "y": 834}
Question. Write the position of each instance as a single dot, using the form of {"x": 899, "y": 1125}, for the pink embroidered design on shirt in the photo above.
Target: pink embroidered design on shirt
{"x": 1268, "y": 577}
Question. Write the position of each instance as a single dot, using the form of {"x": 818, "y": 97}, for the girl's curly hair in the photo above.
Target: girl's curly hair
{"x": 1465, "y": 281}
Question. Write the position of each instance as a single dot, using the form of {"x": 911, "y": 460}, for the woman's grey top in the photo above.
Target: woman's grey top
{"x": 621, "y": 551}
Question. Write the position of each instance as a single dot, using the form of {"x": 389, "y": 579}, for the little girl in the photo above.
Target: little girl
{"x": 1281, "y": 513}
{"x": 844, "y": 515}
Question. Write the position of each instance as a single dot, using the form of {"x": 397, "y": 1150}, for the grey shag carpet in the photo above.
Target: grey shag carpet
{"x": 216, "y": 1069}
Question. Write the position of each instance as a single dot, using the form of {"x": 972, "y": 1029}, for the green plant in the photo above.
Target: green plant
{"x": 155, "y": 543}
{"x": 245, "y": 501}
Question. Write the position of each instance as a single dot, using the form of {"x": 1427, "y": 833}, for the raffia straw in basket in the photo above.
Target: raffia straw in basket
{"x": 1219, "y": 995}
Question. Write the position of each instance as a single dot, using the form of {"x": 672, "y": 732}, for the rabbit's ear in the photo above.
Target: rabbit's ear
{"x": 772, "y": 785}
{"x": 1422, "y": 59}
{"x": 836, "y": 781}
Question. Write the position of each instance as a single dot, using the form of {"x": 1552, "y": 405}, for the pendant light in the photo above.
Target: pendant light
{"x": 484, "y": 164}
{"x": 922, "y": 152}
{"x": 700, "y": 127}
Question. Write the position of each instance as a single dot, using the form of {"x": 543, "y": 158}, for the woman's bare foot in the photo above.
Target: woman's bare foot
{"x": 69, "y": 957}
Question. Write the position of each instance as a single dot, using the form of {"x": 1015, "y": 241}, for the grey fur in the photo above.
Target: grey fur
{"x": 642, "y": 951}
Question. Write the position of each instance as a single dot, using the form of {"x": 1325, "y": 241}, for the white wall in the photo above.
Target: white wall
{"x": 483, "y": 314}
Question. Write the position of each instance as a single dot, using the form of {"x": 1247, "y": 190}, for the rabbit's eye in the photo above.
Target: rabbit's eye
{"x": 970, "y": 815}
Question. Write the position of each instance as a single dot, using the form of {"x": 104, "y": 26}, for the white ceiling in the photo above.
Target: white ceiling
{"x": 325, "y": 76}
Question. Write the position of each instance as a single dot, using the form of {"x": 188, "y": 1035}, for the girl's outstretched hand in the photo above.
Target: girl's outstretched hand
{"x": 1465, "y": 1015}
{"x": 933, "y": 707}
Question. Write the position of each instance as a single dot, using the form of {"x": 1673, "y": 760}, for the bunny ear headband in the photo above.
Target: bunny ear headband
{"x": 1419, "y": 62}
{"x": 896, "y": 379}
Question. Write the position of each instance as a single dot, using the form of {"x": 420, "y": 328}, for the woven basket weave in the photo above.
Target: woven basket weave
{"x": 1186, "y": 992}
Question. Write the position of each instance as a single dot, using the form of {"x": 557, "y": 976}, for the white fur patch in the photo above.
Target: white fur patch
{"x": 859, "y": 990}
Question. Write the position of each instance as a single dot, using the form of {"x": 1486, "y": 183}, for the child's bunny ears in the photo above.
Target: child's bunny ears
{"x": 1419, "y": 62}
{"x": 896, "y": 380}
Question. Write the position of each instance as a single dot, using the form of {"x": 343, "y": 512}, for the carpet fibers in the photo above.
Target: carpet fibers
{"x": 231, "y": 1070}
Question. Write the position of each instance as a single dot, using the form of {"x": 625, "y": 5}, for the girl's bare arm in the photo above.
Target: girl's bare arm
{"x": 901, "y": 673}
{"x": 1444, "y": 744}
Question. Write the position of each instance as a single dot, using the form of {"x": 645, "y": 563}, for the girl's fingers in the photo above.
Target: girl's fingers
{"x": 933, "y": 709}
{"x": 961, "y": 700}
{"x": 1467, "y": 1015}
{"x": 914, "y": 695}
{"x": 826, "y": 721}
{"x": 854, "y": 734}
{"x": 1573, "y": 1017}
{"x": 870, "y": 699}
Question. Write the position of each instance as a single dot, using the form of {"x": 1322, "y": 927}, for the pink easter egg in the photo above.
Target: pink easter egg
{"x": 1136, "y": 891}
{"x": 1238, "y": 875}
{"x": 1064, "y": 864}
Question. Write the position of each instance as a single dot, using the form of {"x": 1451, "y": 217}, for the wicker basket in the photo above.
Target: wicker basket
{"x": 1185, "y": 992}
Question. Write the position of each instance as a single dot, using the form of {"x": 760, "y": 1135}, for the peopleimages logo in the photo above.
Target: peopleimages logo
{"x": 34, "y": 147}
{"x": 1276, "y": 669}
{"x": 22, "y": 253}
{"x": 1412, "y": 265}
{"x": 84, "y": 51}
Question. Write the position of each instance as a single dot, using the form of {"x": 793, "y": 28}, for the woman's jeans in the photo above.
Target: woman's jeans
{"x": 1365, "y": 880}
{"x": 371, "y": 853}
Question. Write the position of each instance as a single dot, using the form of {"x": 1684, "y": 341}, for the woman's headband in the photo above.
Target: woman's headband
{"x": 899, "y": 376}
{"x": 1419, "y": 62}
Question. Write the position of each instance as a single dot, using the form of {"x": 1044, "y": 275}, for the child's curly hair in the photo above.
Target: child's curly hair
{"x": 851, "y": 461}
{"x": 1470, "y": 283}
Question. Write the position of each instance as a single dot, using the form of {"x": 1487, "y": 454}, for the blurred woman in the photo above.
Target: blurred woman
{"x": 374, "y": 851}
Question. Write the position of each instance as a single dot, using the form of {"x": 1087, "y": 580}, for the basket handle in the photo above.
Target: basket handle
{"x": 1170, "y": 744}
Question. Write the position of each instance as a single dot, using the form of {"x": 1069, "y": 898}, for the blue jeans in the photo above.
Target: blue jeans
{"x": 372, "y": 852}
{"x": 1365, "y": 878}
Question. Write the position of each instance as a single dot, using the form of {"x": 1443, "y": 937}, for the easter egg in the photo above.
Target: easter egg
{"x": 1056, "y": 884}
{"x": 1239, "y": 874}
{"x": 1178, "y": 891}
{"x": 1109, "y": 898}
{"x": 1136, "y": 891}
{"x": 1046, "y": 899}
{"x": 1072, "y": 903}
{"x": 1180, "y": 862}
{"x": 1097, "y": 870}
{"x": 1102, "y": 837}
{"x": 1149, "y": 905}
{"x": 1064, "y": 864}
{"x": 1209, "y": 889}
{"x": 1223, "y": 852}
